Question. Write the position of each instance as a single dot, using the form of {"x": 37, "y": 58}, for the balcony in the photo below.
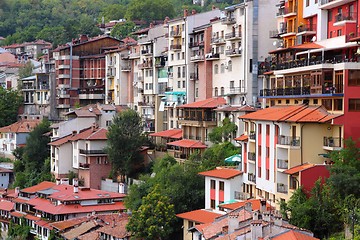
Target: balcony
{"x": 228, "y": 20}
{"x": 194, "y": 76}
{"x": 64, "y": 66}
{"x": 290, "y": 11}
{"x": 91, "y": 93}
{"x": 134, "y": 55}
{"x": 146, "y": 52}
{"x": 63, "y": 94}
{"x": 63, "y": 86}
{"x": 26, "y": 87}
{"x": 196, "y": 44}
{"x": 235, "y": 52}
{"x": 197, "y": 58}
{"x": 241, "y": 195}
{"x": 282, "y": 188}
{"x": 126, "y": 68}
{"x": 307, "y": 29}
{"x": 280, "y": 12}
{"x": 64, "y": 76}
{"x": 175, "y": 47}
{"x": 252, "y": 156}
{"x": 235, "y": 91}
{"x": 344, "y": 18}
{"x": 84, "y": 165}
{"x": 329, "y": 4}
{"x": 282, "y": 164}
{"x": 335, "y": 90}
{"x": 218, "y": 41}
{"x": 233, "y": 36}
{"x": 145, "y": 65}
{"x": 332, "y": 143}
{"x": 176, "y": 33}
{"x": 252, "y": 177}
{"x": 92, "y": 152}
{"x": 62, "y": 106}
{"x": 212, "y": 56}
{"x": 289, "y": 141}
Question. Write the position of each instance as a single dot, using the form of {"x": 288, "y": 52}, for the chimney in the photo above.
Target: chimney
{"x": 74, "y": 133}
{"x": 76, "y": 185}
{"x": 167, "y": 19}
{"x": 58, "y": 181}
{"x": 278, "y": 219}
{"x": 233, "y": 222}
{"x": 122, "y": 188}
{"x": 193, "y": 12}
{"x": 83, "y": 38}
{"x": 185, "y": 13}
{"x": 17, "y": 191}
{"x": 248, "y": 206}
{"x": 151, "y": 25}
{"x": 262, "y": 205}
{"x": 213, "y": 7}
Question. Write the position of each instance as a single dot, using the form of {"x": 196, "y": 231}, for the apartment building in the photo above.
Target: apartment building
{"x": 80, "y": 71}
{"x": 280, "y": 140}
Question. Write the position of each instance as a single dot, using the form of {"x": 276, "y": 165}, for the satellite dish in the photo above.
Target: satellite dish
{"x": 274, "y": 43}
{"x": 313, "y": 39}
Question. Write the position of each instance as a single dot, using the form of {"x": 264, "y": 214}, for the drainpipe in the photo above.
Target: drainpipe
{"x": 255, "y": 42}
{"x": 71, "y": 61}
{"x": 301, "y": 141}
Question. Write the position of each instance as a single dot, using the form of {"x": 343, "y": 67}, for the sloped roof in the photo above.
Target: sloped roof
{"x": 299, "y": 168}
{"x": 92, "y": 133}
{"x": 296, "y": 113}
{"x": 171, "y": 133}
{"x": 242, "y": 138}
{"x": 116, "y": 229}
{"x": 207, "y": 103}
{"x": 22, "y": 126}
{"x": 83, "y": 228}
{"x": 245, "y": 108}
{"x": 292, "y": 235}
{"x": 256, "y": 205}
{"x": 187, "y": 143}
{"x": 199, "y": 216}
{"x": 223, "y": 173}
{"x": 6, "y": 205}
{"x": 41, "y": 186}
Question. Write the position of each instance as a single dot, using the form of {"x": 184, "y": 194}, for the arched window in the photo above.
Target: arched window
{"x": 216, "y": 69}
{"x": 222, "y": 68}
{"x": 222, "y": 91}
{"x": 216, "y": 93}
{"x": 230, "y": 66}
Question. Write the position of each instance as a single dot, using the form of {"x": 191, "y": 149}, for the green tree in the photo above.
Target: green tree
{"x": 125, "y": 138}
{"x": 149, "y": 10}
{"x": 154, "y": 217}
{"x": 223, "y": 133}
{"x": 10, "y": 102}
{"x": 25, "y": 71}
{"x": 215, "y": 155}
{"x": 113, "y": 12}
{"x": 18, "y": 232}
{"x": 122, "y": 30}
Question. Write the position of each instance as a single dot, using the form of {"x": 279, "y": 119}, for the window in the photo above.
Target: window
{"x": 190, "y": 224}
{"x": 259, "y": 172}
{"x": 216, "y": 69}
{"x": 232, "y": 84}
{"x": 179, "y": 72}
{"x": 354, "y": 105}
{"x": 267, "y": 174}
{"x": 171, "y": 124}
{"x": 216, "y": 93}
{"x": 354, "y": 77}
{"x": 179, "y": 84}
{"x": 196, "y": 92}
{"x": 230, "y": 66}
{"x": 338, "y": 104}
{"x": 183, "y": 72}
{"x": 279, "y": 101}
{"x": 222, "y": 68}
{"x": 221, "y": 186}
{"x": 315, "y": 101}
{"x": 339, "y": 32}
{"x": 183, "y": 55}
{"x": 212, "y": 184}
{"x": 178, "y": 56}
{"x": 307, "y": 3}
{"x": 222, "y": 91}
{"x": 212, "y": 204}
{"x": 108, "y": 123}
{"x": 184, "y": 84}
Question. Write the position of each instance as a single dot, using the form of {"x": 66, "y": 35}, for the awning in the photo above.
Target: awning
{"x": 234, "y": 158}
{"x": 187, "y": 143}
{"x": 325, "y": 155}
{"x": 242, "y": 138}
{"x": 171, "y": 133}
{"x": 299, "y": 168}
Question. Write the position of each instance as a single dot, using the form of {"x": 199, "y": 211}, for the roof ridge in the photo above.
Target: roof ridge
{"x": 297, "y": 109}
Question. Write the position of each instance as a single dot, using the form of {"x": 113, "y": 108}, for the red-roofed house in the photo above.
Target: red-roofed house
{"x": 14, "y": 135}
{"x": 280, "y": 138}
{"x": 221, "y": 185}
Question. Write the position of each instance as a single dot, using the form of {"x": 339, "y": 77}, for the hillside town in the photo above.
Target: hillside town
{"x": 247, "y": 110}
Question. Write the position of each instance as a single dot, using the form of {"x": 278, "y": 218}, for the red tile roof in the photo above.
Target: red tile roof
{"x": 6, "y": 205}
{"x": 117, "y": 229}
{"x": 199, "y": 216}
{"x": 5, "y": 170}
{"x": 242, "y": 138}
{"x": 305, "y": 46}
{"x": 234, "y": 235}
{"x": 244, "y": 108}
{"x": 297, "y": 113}
{"x": 187, "y": 143}
{"x": 61, "y": 141}
{"x": 91, "y": 133}
{"x": 223, "y": 173}
{"x": 44, "y": 224}
{"x": 299, "y": 168}
{"x": 171, "y": 133}
{"x": 41, "y": 186}
{"x": 256, "y": 205}
{"x": 23, "y": 126}
{"x": 292, "y": 235}
{"x": 207, "y": 103}
{"x": 17, "y": 214}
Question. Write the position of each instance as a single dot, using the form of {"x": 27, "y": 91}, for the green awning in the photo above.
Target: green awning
{"x": 234, "y": 158}
{"x": 325, "y": 155}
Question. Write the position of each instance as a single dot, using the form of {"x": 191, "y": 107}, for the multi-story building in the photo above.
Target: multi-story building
{"x": 29, "y": 50}
{"x": 80, "y": 71}
{"x": 15, "y": 135}
{"x": 280, "y": 138}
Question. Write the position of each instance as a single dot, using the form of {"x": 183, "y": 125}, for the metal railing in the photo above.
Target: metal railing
{"x": 252, "y": 156}
{"x": 289, "y": 140}
{"x": 282, "y": 188}
{"x": 282, "y": 164}
{"x": 332, "y": 142}
{"x": 91, "y": 152}
{"x": 252, "y": 177}
{"x": 232, "y": 35}
{"x": 252, "y": 135}
{"x": 351, "y": 16}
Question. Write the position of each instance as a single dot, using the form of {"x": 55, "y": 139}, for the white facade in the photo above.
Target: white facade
{"x": 61, "y": 162}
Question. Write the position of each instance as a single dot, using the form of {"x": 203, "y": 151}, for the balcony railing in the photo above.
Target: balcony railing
{"x": 84, "y": 165}
{"x": 252, "y": 177}
{"x": 292, "y": 91}
{"x": 236, "y": 90}
{"x": 289, "y": 140}
{"x": 351, "y": 16}
{"x": 175, "y": 33}
{"x": 212, "y": 56}
{"x": 197, "y": 58}
{"x": 218, "y": 40}
{"x": 91, "y": 152}
{"x": 175, "y": 47}
{"x": 252, "y": 156}
{"x": 332, "y": 142}
{"x": 282, "y": 164}
{"x": 241, "y": 195}
{"x": 232, "y": 35}
{"x": 228, "y": 20}
{"x": 307, "y": 28}
{"x": 194, "y": 76}
{"x": 145, "y": 65}
{"x": 146, "y": 51}
{"x": 233, "y": 52}
{"x": 282, "y": 188}
{"x": 290, "y": 10}
{"x": 196, "y": 44}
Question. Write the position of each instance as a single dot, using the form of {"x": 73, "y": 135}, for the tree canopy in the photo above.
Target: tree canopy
{"x": 122, "y": 30}
{"x": 125, "y": 138}
{"x": 10, "y": 102}
{"x": 223, "y": 133}
{"x": 154, "y": 217}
